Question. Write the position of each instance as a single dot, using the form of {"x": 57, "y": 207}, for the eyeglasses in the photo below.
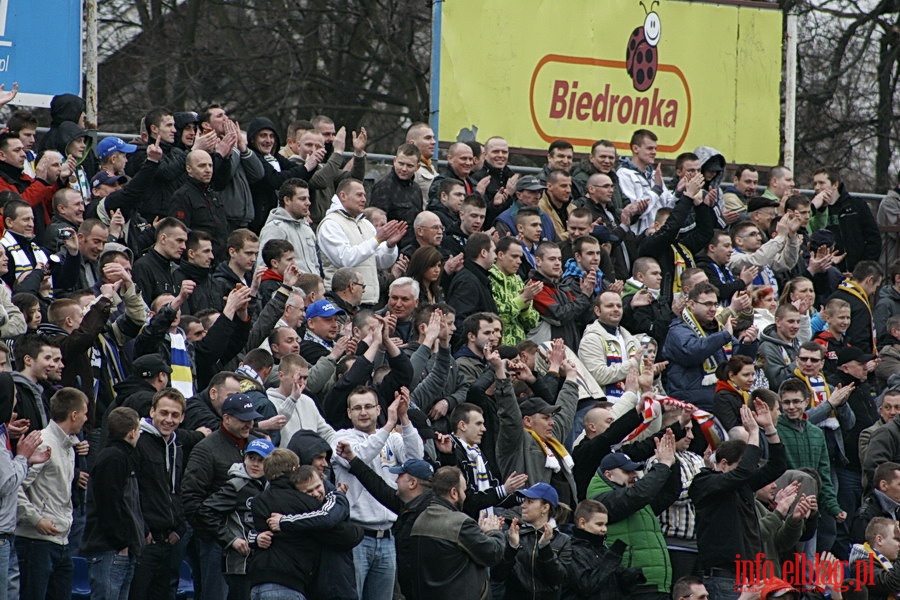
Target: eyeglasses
{"x": 362, "y": 285}
{"x": 365, "y": 407}
{"x": 792, "y": 402}
{"x": 808, "y": 359}
{"x": 708, "y": 304}
{"x": 751, "y": 234}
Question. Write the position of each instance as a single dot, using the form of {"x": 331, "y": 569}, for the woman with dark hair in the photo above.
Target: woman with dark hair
{"x": 735, "y": 380}
{"x": 537, "y": 553}
{"x": 425, "y": 266}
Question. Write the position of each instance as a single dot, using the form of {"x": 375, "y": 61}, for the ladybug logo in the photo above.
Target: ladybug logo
{"x": 641, "y": 57}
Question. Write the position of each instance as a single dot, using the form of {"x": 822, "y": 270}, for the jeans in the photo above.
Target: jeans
{"x": 6, "y": 545}
{"x": 12, "y": 587}
{"x": 111, "y": 575}
{"x": 273, "y": 591}
{"x": 721, "y": 588}
{"x": 375, "y": 561}
{"x": 45, "y": 569}
{"x": 76, "y": 532}
{"x": 211, "y": 578}
{"x": 850, "y": 491}
{"x": 153, "y": 574}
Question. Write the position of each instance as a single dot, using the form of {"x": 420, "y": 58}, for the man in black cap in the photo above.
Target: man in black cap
{"x": 529, "y": 190}
{"x": 206, "y": 472}
{"x": 149, "y": 374}
{"x": 761, "y": 212}
{"x": 531, "y": 435}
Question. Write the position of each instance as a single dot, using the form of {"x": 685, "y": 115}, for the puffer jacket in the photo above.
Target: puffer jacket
{"x": 632, "y": 519}
{"x": 535, "y": 571}
{"x": 228, "y": 511}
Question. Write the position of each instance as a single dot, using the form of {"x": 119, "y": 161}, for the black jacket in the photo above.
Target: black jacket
{"x": 726, "y": 501}
{"x": 199, "y": 412}
{"x": 596, "y": 571}
{"x": 294, "y": 557}
{"x": 160, "y": 466}
{"x": 589, "y": 452}
{"x": 855, "y": 229}
{"x": 470, "y": 292}
{"x": 198, "y": 206}
{"x": 205, "y": 295}
{"x": 859, "y": 333}
{"x": 153, "y": 275}
{"x": 653, "y": 319}
{"x": 871, "y": 507}
{"x": 400, "y": 199}
{"x": 265, "y": 191}
{"x": 450, "y": 555}
{"x": 206, "y": 472}
{"x": 168, "y": 177}
{"x": 476, "y": 501}
{"x": 532, "y": 571}
{"x": 224, "y": 280}
{"x": 134, "y": 392}
{"x": 114, "y": 519}
{"x": 499, "y": 179}
{"x": 727, "y": 282}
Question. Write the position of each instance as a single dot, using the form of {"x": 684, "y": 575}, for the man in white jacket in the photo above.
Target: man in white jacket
{"x": 375, "y": 557}
{"x": 45, "y": 503}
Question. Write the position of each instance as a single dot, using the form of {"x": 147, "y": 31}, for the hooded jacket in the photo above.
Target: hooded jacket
{"x": 307, "y": 445}
{"x": 265, "y": 190}
{"x": 114, "y": 519}
{"x": 160, "y": 467}
{"x": 533, "y": 570}
{"x": 854, "y": 227}
{"x": 780, "y": 356}
{"x": 63, "y": 108}
{"x": 282, "y": 226}
{"x": 710, "y": 159}
{"x": 233, "y": 175}
{"x": 204, "y": 295}
{"x": 228, "y": 511}
{"x": 80, "y": 179}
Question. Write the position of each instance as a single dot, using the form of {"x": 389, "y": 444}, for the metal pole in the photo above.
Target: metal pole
{"x": 790, "y": 89}
{"x": 90, "y": 56}
{"x": 435, "y": 91}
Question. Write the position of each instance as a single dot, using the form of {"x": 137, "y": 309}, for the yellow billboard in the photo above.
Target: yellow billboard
{"x": 533, "y": 71}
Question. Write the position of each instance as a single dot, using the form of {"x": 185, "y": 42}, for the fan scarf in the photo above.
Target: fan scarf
{"x": 820, "y": 393}
{"x": 709, "y": 364}
{"x": 860, "y": 294}
{"x": 709, "y": 425}
{"x": 553, "y": 449}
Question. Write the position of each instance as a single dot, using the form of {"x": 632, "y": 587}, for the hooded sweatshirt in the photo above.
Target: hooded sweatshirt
{"x": 13, "y": 469}
{"x": 710, "y": 157}
{"x": 79, "y": 180}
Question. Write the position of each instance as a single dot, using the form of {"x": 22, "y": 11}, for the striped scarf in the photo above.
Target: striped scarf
{"x": 727, "y": 385}
{"x": 709, "y": 363}
{"x": 821, "y": 392}
{"x": 20, "y": 257}
{"x": 181, "y": 378}
{"x": 684, "y": 259}
{"x": 614, "y": 350}
{"x": 708, "y": 424}
{"x": 852, "y": 288}
{"x": 554, "y": 451}
{"x": 476, "y": 465}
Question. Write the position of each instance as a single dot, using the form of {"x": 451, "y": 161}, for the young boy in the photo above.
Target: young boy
{"x": 837, "y": 319}
{"x": 227, "y": 511}
{"x": 114, "y": 532}
{"x": 307, "y": 527}
{"x": 805, "y": 445}
{"x": 596, "y": 568}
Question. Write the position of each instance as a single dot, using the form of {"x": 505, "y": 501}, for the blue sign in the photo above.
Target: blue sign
{"x": 40, "y": 47}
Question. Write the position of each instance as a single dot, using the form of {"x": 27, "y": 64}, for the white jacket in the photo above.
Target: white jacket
{"x": 302, "y": 413}
{"x": 595, "y": 346}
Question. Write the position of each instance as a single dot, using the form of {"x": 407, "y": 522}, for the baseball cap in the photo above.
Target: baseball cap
{"x": 851, "y": 353}
{"x": 240, "y": 407}
{"x": 261, "y": 447}
{"x": 604, "y": 235}
{"x": 531, "y": 183}
{"x": 759, "y": 202}
{"x": 821, "y": 237}
{"x": 105, "y": 178}
{"x": 533, "y": 406}
{"x": 322, "y": 308}
{"x": 541, "y": 491}
{"x": 619, "y": 460}
{"x": 113, "y": 144}
{"x": 149, "y": 365}
{"x": 414, "y": 466}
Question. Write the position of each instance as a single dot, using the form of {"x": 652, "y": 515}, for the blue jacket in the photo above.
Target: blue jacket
{"x": 686, "y": 351}
{"x": 507, "y": 219}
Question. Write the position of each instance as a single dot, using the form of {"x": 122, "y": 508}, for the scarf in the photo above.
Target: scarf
{"x": 477, "y": 465}
{"x": 632, "y": 282}
{"x": 310, "y": 336}
{"x": 615, "y": 351}
{"x": 684, "y": 259}
{"x": 269, "y": 274}
{"x": 553, "y": 449}
{"x": 20, "y": 257}
{"x": 820, "y": 393}
{"x": 882, "y": 560}
{"x": 766, "y": 276}
{"x": 852, "y": 288}
{"x": 724, "y": 273}
{"x": 573, "y": 270}
{"x": 250, "y": 373}
{"x": 708, "y": 424}
{"x": 182, "y": 379}
{"x": 726, "y": 385}
{"x": 709, "y": 364}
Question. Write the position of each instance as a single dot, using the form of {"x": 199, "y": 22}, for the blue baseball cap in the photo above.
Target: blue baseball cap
{"x": 108, "y": 146}
{"x": 322, "y": 308}
{"x": 541, "y": 491}
{"x": 260, "y": 446}
{"x": 415, "y": 467}
{"x": 240, "y": 407}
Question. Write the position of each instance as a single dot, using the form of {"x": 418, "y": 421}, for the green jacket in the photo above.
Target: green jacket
{"x": 805, "y": 447}
{"x": 518, "y": 318}
{"x": 640, "y": 529}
